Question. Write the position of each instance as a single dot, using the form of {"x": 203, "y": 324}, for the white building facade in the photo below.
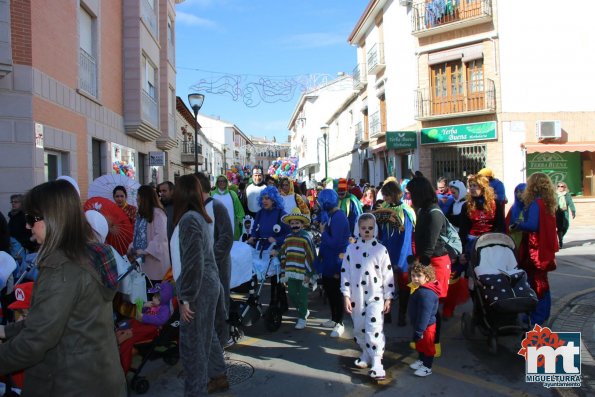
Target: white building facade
{"x": 312, "y": 113}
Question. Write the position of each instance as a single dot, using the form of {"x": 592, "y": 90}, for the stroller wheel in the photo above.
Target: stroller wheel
{"x": 171, "y": 359}
{"x": 140, "y": 385}
{"x": 467, "y": 326}
{"x": 493, "y": 345}
{"x": 273, "y": 319}
{"x": 237, "y": 334}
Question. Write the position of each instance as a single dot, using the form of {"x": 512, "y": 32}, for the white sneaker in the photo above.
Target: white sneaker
{"x": 300, "y": 323}
{"x": 328, "y": 324}
{"x": 423, "y": 371}
{"x": 337, "y": 331}
{"x": 417, "y": 365}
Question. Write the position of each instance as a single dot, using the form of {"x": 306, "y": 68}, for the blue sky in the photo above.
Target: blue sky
{"x": 232, "y": 46}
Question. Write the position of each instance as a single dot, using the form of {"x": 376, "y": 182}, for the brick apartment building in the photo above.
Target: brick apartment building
{"x": 83, "y": 86}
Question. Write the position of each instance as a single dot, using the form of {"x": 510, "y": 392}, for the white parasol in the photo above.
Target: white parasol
{"x": 105, "y": 184}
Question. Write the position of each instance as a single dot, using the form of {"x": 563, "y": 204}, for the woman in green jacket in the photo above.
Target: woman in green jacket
{"x": 565, "y": 205}
{"x": 67, "y": 343}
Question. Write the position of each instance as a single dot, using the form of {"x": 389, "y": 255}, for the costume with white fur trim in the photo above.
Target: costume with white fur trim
{"x": 367, "y": 280}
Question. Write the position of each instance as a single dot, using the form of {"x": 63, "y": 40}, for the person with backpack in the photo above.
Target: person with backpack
{"x": 430, "y": 248}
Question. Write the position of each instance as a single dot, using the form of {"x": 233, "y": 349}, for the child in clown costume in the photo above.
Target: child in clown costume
{"x": 367, "y": 285}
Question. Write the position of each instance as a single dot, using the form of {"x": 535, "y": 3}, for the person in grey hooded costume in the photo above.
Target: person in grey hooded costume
{"x": 222, "y": 234}
{"x": 199, "y": 288}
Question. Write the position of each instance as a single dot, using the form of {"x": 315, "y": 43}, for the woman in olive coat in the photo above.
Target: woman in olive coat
{"x": 67, "y": 343}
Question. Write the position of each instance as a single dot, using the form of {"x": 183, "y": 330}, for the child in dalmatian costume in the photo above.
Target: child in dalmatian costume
{"x": 367, "y": 285}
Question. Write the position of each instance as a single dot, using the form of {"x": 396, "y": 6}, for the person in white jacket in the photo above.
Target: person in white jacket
{"x": 367, "y": 285}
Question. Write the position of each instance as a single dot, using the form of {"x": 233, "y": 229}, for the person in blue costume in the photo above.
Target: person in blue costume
{"x": 495, "y": 184}
{"x": 516, "y": 214}
{"x": 348, "y": 203}
{"x": 269, "y": 229}
{"x": 396, "y": 221}
{"x": 445, "y": 199}
{"x": 334, "y": 241}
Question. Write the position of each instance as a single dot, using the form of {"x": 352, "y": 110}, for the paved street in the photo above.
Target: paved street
{"x": 309, "y": 362}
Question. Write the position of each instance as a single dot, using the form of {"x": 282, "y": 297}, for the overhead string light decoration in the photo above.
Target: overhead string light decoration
{"x": 253, "y": 90}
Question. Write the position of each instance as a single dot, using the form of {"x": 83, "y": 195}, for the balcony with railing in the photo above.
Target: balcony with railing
{"x": 359, "y": 132}
{"x": 187, "y": 155}
{"x": 149, "y": 17}
{"x": 150, "y": 109}
{"x": 375, "y": 58}
{"x": 87, "y": 73}
{"x": 374, "y": 123}
{"x": 360, "y": 77}
{"x": 478, "y": 97}
{"x": 438, "y": 16}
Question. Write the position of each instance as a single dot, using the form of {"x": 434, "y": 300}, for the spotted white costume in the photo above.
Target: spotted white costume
{"x": 367, "y": 279}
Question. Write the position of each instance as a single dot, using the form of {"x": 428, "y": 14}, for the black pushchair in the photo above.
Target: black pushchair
{"x": 164, "y": 345}
{"x": 245, "y": 313}
{"x": 499, "y": 290}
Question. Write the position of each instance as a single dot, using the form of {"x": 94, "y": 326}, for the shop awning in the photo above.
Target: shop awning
{"x": 379, "y": 148}
{"x": 562, "y": 147}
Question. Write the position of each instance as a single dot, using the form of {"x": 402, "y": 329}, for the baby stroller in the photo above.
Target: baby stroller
{"x": 245, "y": 313}
{"x": 163, "y": 344}
{"x": 499, "y": 290}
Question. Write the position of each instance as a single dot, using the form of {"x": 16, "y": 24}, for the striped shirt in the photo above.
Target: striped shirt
{"x": 297, "y": 255}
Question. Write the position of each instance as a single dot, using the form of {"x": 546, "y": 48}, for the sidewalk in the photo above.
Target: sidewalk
{"x": 576, "y": 312}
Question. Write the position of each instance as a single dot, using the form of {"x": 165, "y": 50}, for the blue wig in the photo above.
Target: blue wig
{"x": 273, "y": 194}
{"x": 327, "y": 199}
{"x": 518, "y": 205}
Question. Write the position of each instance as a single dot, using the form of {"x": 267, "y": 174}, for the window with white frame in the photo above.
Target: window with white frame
{"x": 150, "y": 77}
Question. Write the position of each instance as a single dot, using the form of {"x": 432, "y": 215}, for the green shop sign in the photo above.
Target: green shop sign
{"x": 401, "y": 139}
{"x": 559, "y": 167}
{"x": 459, "y": 133}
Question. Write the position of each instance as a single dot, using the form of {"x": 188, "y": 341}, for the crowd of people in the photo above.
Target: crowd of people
{"x": 376, "y": 244}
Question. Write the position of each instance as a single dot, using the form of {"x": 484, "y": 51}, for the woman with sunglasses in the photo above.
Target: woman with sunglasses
{"x": 565, "y": 208}
{"x": 67, "y": 343}
{"x": 482, "y": 213}
{"x": 198, "y": 287}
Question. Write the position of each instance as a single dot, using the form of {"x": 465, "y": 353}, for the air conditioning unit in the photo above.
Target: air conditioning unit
{"x": 405, "y": 3}
{"x": 548, "y": 129}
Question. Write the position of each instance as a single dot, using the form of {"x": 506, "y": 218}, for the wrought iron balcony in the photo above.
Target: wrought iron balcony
{"x": 87, "y": 73}
{"x": 376, "y": 58}
{"x": 359, "y": 132}
{"x": 187, "y": 155}
{"x": 360, "y": 77}
{"x": 374, "y": 124}
{"x": 437, "y": 16}
{"x": 479, "y": 97}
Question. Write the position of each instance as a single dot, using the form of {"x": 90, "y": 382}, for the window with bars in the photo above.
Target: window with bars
{"x": 458, "y": 162}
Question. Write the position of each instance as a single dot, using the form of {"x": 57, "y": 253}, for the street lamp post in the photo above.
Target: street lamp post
{"x": 196, "y": 100}
{"x": 224, "y": 158}
{"x": 324, "y": 130}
